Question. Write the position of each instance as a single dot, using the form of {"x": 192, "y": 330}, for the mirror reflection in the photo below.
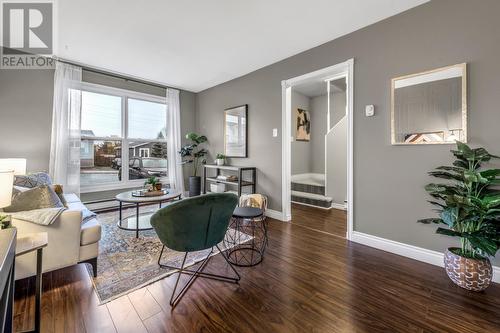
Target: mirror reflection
{"x": 430, "y": 107}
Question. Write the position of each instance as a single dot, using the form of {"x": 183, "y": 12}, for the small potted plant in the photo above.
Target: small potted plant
{"x": 220, "y": 159}
{"x": 153, "y": 184}
{"x": 192, "y": 154}
{"x": 5, "y": 221}
{"x": 469, "y": 206}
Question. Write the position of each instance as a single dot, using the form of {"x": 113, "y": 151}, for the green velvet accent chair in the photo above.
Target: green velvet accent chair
{"x": 195, "y": 224}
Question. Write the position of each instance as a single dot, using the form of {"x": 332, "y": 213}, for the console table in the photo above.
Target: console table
{"x": 240, "y": 171}
{"x": 7, "y": 256}
{"x": 29, "y": 243}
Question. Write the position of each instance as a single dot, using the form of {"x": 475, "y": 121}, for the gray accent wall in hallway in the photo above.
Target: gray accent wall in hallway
{"x": 389, "y": 180}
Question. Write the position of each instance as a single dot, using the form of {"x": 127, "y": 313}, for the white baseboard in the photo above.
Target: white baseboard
{"x": 309, "y": 205}
{"x": 274, "y": 214}
{"x": 409, "y": 251}
{"x": 339, "y": 206}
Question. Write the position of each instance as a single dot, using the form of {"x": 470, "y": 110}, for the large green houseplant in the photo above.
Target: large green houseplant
{"x": 192, "y": 154}
{"x": 469, "y": 207}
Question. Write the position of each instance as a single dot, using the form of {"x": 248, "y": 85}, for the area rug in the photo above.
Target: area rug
{"x": 126, "y": 263}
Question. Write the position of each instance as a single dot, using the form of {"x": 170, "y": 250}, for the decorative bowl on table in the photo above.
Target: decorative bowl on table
{"x": 146, "y": 193}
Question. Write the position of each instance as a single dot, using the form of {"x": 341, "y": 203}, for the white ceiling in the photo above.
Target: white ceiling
{"x": 195, "y": 45}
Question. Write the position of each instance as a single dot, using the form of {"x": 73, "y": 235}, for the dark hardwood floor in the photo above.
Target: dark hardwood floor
{"x": 309, "y": 281}
{"x": 332, "y": 221}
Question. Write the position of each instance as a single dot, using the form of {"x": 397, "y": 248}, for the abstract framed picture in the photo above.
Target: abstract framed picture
{"x": 303, "y": 131}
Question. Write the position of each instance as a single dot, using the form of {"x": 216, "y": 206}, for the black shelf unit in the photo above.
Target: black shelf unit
{"x": 239, "y": 170}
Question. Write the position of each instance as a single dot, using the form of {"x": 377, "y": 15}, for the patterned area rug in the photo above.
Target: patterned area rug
{"x": 126, "y": 263}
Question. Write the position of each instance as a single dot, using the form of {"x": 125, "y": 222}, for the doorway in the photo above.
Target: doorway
{"x": 317, "y": 149}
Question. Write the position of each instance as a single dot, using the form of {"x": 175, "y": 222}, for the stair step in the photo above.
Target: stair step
{"x": 311, "y": 199}
{"x": 308, "y": 188}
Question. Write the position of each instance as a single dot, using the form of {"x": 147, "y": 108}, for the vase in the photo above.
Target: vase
{"x": 194, "y": 186}
{"x": 468, "y": 273}
{"x": 219, "y": 161}
{"x": 158, "y": 186}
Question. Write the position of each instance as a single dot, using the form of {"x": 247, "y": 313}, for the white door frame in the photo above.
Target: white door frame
{"x": 345, "y": 68}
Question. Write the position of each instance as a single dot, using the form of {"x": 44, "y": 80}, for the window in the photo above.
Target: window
{"x": 144, "y": 152}
{"x": 116, "y": 126}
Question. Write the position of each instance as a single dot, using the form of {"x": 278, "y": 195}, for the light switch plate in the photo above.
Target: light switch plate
{"x": 275, "y": 132}
{"x": 370, "y": 110}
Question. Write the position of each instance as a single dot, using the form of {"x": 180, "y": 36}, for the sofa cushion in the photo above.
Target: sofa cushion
{"x": 35, "y": 198}
{"x": 71, "y": 197}
{"x": 91, "y": 232}
{"x": 86, "y": 213}
{"x": 33, "y": 180}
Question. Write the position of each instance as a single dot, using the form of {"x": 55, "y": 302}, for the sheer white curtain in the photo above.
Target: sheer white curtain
{"x": 175, "y": 174}
{"x": 65, "y": 143}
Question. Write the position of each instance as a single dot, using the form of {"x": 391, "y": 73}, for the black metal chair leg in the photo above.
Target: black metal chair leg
{"x": 229, "y": 263}
{"x": 174, "y": 300}
{"x": 161, "y": 253}
{"x": 216, "y": 277}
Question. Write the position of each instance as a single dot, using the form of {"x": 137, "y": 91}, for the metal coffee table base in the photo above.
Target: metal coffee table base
{"x": 137, "y": 218}
{"x": 140, "y": 222}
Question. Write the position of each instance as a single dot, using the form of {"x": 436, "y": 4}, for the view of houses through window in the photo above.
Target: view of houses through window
{"x": 118, "y": 128}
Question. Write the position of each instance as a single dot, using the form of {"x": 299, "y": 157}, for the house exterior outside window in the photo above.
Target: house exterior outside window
{"x": 120, "y": 125}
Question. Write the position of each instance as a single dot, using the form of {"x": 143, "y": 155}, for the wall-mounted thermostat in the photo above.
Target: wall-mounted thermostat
{"x": 370, "y": 110}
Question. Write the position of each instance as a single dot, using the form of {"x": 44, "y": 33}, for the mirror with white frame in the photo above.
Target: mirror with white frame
{"x": 430, "y": 107}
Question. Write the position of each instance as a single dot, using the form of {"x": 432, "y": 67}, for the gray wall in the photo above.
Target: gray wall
{"x": 337, "y": 107}
{"x": 26, "y": 116}
{"x": 336, "y": 162}
{"x": 26, "y": 112}
{"x": 319, "y": 112}
{"x": 389, "y": 180}
{"x": 301, "y": 150}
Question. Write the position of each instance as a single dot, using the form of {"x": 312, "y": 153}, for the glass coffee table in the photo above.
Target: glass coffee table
{"x": 140, "y": 222}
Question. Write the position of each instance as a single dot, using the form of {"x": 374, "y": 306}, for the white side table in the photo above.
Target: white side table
{"x": 28, "y": 243}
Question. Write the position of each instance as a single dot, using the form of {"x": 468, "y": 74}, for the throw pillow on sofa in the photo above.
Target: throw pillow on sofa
{"x": 56, "y": 187}
{"x": 32, "y": 180}
{"x": 36, "y": 198}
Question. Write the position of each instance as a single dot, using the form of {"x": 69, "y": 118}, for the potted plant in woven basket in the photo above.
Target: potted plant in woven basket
{"x": 469, "y": 206}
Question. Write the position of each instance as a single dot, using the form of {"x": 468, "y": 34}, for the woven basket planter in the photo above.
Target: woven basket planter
{"x": 470, "y": 274}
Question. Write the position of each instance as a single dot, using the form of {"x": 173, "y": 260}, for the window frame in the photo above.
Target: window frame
{"x": 125, "y": 95}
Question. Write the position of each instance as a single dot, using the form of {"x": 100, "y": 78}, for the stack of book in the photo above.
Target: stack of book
{"x": 230, "y": 178}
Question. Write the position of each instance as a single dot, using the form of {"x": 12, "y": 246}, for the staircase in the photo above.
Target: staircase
{"x": 311, "y": 195}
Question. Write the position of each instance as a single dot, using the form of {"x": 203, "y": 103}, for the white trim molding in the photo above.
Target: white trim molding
{"x": 339, "y": 206}
{"x": 409, "y": 251}
{"x": 274, "y": 214}
{"x": 344, "y": 69}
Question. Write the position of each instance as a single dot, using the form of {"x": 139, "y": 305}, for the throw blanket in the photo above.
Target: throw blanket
{"x": 44, "y": 216}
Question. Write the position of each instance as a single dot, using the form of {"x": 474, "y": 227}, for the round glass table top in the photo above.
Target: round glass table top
{"x": 128, "y": 197}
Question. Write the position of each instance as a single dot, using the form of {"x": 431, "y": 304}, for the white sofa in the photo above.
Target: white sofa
{"x": 69, "y": 241}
